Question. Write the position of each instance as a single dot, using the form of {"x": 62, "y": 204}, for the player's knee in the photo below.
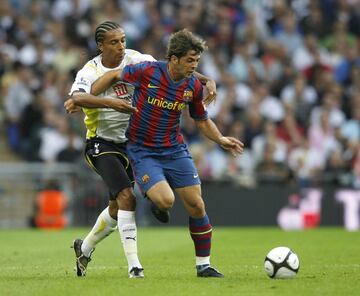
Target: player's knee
{"x": 126, "y": 200}
{"x": 197, "y": 208}
{"x": 166, "y": 203}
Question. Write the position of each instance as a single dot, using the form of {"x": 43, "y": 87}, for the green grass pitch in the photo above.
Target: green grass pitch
{"x": 34, "y": 262}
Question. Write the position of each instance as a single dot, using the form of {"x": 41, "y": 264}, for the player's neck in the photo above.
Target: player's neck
{"x": 109, "y": 62}
{"x": 173, "y": 75}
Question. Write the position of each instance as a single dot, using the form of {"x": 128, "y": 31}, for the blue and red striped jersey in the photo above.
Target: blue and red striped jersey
{"x": 160, "y": 101}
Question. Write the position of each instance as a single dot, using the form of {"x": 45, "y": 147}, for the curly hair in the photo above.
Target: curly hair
{"x": 182, "y": 41}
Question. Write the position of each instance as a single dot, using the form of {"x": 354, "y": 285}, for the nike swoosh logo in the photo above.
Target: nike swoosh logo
{"x": 152, "y": 86}
{"x": 195, "y": 176}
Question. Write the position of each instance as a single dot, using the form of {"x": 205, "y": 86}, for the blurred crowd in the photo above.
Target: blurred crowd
{"x": 288, "y": 76}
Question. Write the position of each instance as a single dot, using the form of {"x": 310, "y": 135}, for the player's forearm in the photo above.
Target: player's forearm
{"x": 209, "y": 130}
{"x": 89, "y": 101}
{"x": 105, "y": 81}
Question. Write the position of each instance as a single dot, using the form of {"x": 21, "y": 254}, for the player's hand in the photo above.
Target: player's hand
{"x": 211, "y": 90}
{"x": 233, "y": 145}
{"x": 123, "y": 106}
{"x": 70, "y": 106}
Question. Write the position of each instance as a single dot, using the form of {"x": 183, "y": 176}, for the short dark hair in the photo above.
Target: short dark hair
{"x": 182, "y": 41}
{"x": 103, "y": 28}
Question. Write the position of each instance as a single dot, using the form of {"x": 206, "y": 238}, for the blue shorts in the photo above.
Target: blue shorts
{"x": 174, "y": 165}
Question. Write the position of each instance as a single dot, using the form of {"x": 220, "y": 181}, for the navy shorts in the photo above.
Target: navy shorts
{"x": 174, "y": 165}
{"x": 110, "y": 161}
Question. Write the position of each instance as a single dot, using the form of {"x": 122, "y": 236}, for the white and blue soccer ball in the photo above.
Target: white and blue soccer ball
{"x": 281, "y": 263}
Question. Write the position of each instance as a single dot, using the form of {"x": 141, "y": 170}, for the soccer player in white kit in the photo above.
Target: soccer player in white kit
{"x": 105, "y": 145}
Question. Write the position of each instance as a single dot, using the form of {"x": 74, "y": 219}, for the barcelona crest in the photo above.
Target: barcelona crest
{"x": 188, "y": 95}
{"x": 145, "y": 178}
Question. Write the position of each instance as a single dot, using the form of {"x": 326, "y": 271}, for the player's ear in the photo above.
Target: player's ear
{"x": 174, "y": 59}
{"x": 100, "y": 46}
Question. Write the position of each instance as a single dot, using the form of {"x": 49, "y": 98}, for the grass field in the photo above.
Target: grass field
{"x": 38, "y": 263}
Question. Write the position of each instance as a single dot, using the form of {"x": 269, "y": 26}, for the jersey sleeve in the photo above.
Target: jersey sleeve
{"x": 133, "y": 73}
{"x": 196, "y": 107}
{"x": 84, "y": 79}
{"x": 136, "y": 57}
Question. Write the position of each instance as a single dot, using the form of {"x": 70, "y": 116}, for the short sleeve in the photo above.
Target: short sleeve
{"x": 84, "y": 79}
{"x": 136, "y": 57}
{"x": 196, "y": 107}
{"x": 133, "y": 73}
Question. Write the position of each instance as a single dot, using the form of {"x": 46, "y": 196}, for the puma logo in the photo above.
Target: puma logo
{"x": 129, "y": 237}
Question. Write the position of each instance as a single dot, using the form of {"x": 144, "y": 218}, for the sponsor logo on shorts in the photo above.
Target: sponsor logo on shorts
{"x": 96, "y": 146}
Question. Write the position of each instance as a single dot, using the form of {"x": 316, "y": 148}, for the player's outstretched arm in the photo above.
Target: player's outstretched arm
{"x": 89, "y": 101}
{"x": 209, "y": 129}
{"x": 105, "y": 81}
{"x": 210, "y": 86}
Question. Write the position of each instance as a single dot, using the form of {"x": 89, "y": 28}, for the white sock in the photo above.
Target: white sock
{"x": 104, "y": 225}
{"x": 128, "y": 235}
{"x": 202, "y": 260}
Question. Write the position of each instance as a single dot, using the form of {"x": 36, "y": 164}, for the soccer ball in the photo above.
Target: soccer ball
{"x": 281, "y": 263}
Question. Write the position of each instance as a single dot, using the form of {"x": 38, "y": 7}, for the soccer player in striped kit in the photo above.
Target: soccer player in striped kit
{"x": 106, "y": 120}
{"x": 159, "y": 157}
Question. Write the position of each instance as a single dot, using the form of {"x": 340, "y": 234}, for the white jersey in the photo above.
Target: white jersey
{"x": 107, "y": 123}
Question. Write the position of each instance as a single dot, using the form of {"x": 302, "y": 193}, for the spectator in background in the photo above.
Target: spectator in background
{"x": 19, "y": 94}
{"x": 331, "y": 105}
{"x": 305, "y": 164}
{"x": 290, "y": 131}
{"x": 321, "y": 137}
{"x": 71, "y": 152}
{"x": 269, "y": 170}
{"x": 355, "y": 166}
{"x": 310, "y": 53}
{"x": 314, "y": 22}
{"x": 336, "y": 169}
{"x": 299, "y": 97}
{"x": 253, "y": 125}
{"x": 269, "y": 106}
{"x": 289, "y": 37}
{"x": 350, "y": 129}
{"x": 248, "y": 44}
{"x": 31, "y": 122}
{"x": 56, "y": 137}
{"x": 269, "y": 138}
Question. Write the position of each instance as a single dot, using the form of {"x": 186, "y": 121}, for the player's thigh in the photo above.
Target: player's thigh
{"x": 111, "y": 168}
{"x": 162, "y": 194}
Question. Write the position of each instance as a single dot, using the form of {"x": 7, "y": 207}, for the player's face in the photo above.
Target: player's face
{"x": 113, "y": 46}
{"x": 186, "y": 65}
